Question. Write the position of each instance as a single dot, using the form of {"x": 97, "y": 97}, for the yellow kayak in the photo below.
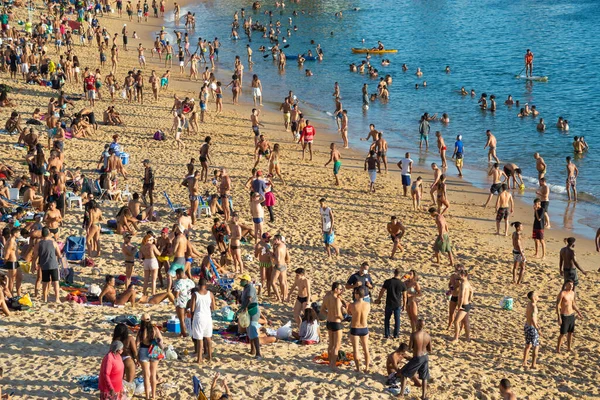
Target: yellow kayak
{"x": 371, "y": 51}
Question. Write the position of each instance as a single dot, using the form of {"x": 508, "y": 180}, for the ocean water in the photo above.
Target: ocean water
{"x": 484, "y": 45}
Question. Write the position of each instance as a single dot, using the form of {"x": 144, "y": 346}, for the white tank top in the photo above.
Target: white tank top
{"x": 202, "y": 305}
{"x": 326, "y": 216}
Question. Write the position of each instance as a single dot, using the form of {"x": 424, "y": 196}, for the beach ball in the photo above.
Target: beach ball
{"x": 522, "y": 186}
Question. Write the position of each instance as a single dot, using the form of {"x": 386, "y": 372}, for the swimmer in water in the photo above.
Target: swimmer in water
{"x": 463, "y": 91}
{"x": 419, "y": 73}
{"x": 509, "y": 101}
{"x": 404, "y": 67}
{"x": 447, "y": 69}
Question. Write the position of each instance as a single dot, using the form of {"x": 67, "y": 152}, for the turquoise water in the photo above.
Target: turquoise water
{"x": 483, "y": 43}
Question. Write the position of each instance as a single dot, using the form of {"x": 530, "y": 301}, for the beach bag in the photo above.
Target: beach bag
{"x": 155, "y": 352}
{"x": 170, "y": 354}
{"x": 26, "y": 301}
{"x": 244, "y": 319}
{"x": 285, "y": 331}
{"x": 507, "y": 303}
{"x": 124, "y": 94}
{"x": 159, "y": 135}
{"x": 188, "y": 324}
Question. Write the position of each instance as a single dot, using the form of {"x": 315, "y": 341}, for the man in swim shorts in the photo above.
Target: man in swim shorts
{"x": 442, "y": 242}
{"x": 565, "y": 311}
{"x": 372, "y": 165}
{"x": 497, "y": 178}
{"x": 335, "y": 309}
{"x": 280, "y": 259}
{"x": 327, "y": 225}
{"x": 303, "y": 299}
{"x": 532, "y": 330}
{"x": 464, "y": 306}
{"x": 335, "y": 157}
{"x": 359, "y": 330}
{"x": 459, "y": 154}
{"x": 396, "y": 231}
{"x": 421, "y": 347}
{"x": 572, "y": 174}
{"x": 405, "y": 166}
{"x": 504, "y": 208}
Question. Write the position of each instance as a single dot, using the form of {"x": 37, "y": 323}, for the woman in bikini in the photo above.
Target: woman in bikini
{"x": 235, "y": 88}
{"x": 94, "y": 215}
{"x": 442, "y": 197}
{"x": 219, "y": 98}
{"x": 413, "y": 290}
{"x": 274, "y": 166}
{"x": 129, "y": 354}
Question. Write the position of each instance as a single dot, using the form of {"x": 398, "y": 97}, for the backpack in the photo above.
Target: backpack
{"x": 159, "y": 135}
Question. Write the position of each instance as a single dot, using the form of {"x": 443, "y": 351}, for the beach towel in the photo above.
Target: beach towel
{"x": 88, "y": 383}
{"x": 343, "y": 358}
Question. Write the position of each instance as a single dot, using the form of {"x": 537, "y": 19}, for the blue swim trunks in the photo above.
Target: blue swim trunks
{"x": 405, "y": 180}
{"x": 328, "y": 238}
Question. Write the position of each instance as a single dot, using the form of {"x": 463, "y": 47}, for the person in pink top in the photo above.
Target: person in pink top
{"x": 110, "y": 381}
{"x": 306, "y": 137}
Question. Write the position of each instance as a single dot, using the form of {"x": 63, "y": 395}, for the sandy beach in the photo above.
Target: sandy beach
{"x": 47, "y": 347}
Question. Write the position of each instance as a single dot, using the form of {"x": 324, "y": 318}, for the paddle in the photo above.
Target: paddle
{"x": 286, "y": 46}
{"x": 519, "y": 74}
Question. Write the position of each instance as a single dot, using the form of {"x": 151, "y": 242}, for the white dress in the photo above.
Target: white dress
{"x": 202, "y": 325}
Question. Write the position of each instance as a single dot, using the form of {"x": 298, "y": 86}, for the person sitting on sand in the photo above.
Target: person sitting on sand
{"x": 4, "y": 295}
{"x": 309, "y": 328}
{"x": 13, "y": 124}
{"x": 125, "y": 221}
{"x": 506, "y": 390}
{"x": 81, "y": 128}
{"x": 216, "y": 394}
{"x": 109, "y": 292}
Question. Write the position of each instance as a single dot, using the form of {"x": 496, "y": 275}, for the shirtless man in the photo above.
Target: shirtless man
{"x": 572, "y": 174}
{"x": 109, "y": 293}
{"x": 335, "y": 157}
{"x": 11, "y": 262}
{"x": 303, "y": 300}
{"x": 498, "y": 177}
{"x": 565, "y": 311}
{"x": 30, "y": 196}
{"x": 543, "y": 194}
{"x": 280, "y": 259}
{"x": 381, "y": 147}
{"x": 114, "y": 166}
{"x": 344, "y": 128}
{"x": 262, "y": 148}
{"x": 420, "y": 342}
{"x": 504, "y": 209}
{"x": 224, "y": 192}
{"x": 234, "y": 230}
{"x": 464, "y": 305}
{"x": 372, "y": 133}
{"x": 396, "y": 231}
{"x": 286, "y": 109}
{"x": 491, "y": 143}
{"x": 506, "y": 390}
{"x": 258, "y": 214}
{"x": 205, "y": 158}
{"x": 256, "y": 124}
{"x": 436, "y": 178}
{"x": 442, "y": 242}
{"x": 359, "y": 330}
{"x": 179, "y": 246}
{"x": 568, "y": 264}
{"x": 441, "y": 149}
{"x": 335, "y": 309}
{"x": 194, "y": 194}
{"x": 135, "y": 206}
{"x": 53, "y": 219}
{"x": 518, "y": 253}
{"x": 532, "y": 330}
{"x": 514, "y": 174}
{"x": 263, "y": 252}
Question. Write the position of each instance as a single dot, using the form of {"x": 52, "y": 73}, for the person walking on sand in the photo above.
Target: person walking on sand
{"x": 395, "y": 302}
{"x": 396, "y": 231}
{"x": 540, "y": 220}
{"x": 256, "y": 90}
{"x": 504, "y": 208}
{"x": 568, "y": 264}
{"x": 335, "y": 156}
{"x": 149, "y": 252}
{"x": 572, "y": 174}
{"x": 532, "y": 330}
{"x": 359, "y": 330}
{"x": 491, "y": 143}
{"x": 307, "y": 137}
{"x": 437, "y": 172}
{"x": 327, "y": 227}
{"x": 46, "y": 254}
{"x": 405, "y": 166}
{"x": 518, "y": 253}
{"x": 335, "y": 309}
{"x": 421, "y": 347}
{"x": 258, "y": 214}
{"x": 442, "y": 242}
{"x": 205, "y": 158}
{"x": 498, "y": 176}
{"x": 565, "y": 311}
{"x": 442, "y": 195}
{"x": 372, "y": 165}
{"x": 281, "y": 259}
{"x": 381, "y": 147}
{"x": 453, "y": 292}
{"x": 464, "y": 306}
{"x": 249, "y": 303}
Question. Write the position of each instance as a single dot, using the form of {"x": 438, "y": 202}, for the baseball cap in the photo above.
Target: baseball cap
{"x": 245, "y": 277}
{"x": 164, "y": 230}
{"x": 258, "y": 173}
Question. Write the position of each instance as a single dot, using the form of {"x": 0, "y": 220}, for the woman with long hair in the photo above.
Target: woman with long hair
{"x": 129, "y": 354}
{"x": 413, "y": 290}
{"x": 274, "y": 165}
{"x": 148, "y": 336}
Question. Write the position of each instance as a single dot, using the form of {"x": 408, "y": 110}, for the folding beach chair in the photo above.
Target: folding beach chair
{"x": 198, "y": 389}
{"x": 103, "y": 192}
{"x": 203, "y": 206}
{"x": 173, "y": 207}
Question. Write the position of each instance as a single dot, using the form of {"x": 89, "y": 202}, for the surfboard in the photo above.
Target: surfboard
{"x": 533, "y": 78}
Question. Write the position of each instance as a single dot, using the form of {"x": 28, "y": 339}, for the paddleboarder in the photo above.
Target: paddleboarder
{"x": 529, "y": 63}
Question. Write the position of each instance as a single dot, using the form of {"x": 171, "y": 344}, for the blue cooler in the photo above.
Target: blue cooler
{"x": 174, "y": 326}
{"x": 124, "y": 158}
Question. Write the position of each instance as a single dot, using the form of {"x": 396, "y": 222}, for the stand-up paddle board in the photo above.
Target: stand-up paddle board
{"x": 533, "y": 78}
